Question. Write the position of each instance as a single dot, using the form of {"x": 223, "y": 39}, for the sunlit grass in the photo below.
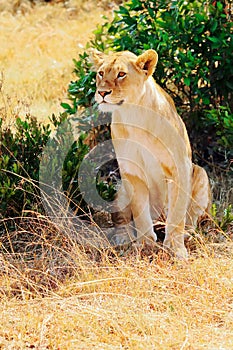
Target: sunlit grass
{"x": 70, "y": 300}
{"x": 37, "y": 47}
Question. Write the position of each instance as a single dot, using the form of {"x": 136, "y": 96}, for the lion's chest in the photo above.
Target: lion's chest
{"x": 144, "y": 143}
{"x": 148, "y": 146}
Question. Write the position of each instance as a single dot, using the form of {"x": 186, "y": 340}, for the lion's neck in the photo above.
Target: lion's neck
{"x": 153, "y": 96}
{"x": 155, "y": 99}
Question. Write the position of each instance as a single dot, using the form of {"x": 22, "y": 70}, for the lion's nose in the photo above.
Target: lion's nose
{"x": 104, "y": 93}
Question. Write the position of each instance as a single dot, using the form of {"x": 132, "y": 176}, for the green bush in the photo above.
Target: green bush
{"x": 32, "y": 160}
{"x": 82, "y": 90}
{"x": 193, "y": 40}
{"x": 220, "y": 120}
{"x": 19, "y": 165}
{"x": 195, "y": 47}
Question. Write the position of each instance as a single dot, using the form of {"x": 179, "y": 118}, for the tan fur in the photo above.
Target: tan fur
{"x": 152, "y": 148}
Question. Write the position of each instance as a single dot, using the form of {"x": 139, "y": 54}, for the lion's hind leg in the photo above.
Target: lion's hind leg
{"x": 201, "y": 198}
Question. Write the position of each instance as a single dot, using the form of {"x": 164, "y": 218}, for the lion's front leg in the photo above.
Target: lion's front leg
{"x": 138, "y": 192}
{"x": 178, "y": 197}
{"x": 122, "y": 218}
{"x": 174, "y": 239}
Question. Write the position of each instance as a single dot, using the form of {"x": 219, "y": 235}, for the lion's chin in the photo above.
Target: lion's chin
{"x": 109, "y": 107}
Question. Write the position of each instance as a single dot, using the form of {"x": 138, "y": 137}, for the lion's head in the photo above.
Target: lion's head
{"x": 121, "y": 77}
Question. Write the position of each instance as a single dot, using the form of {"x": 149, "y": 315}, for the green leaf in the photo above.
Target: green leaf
{"x": 187, "y": 81}
{"x": 214, "y": 25}
{"x": 15, "y": 167}
{"x": 219, "y": 6}
{"x": 206, "y": 100}
{"x": 229, "y": 84}
{"x": 213, "y": 39}
{"x": 123, "y": 10}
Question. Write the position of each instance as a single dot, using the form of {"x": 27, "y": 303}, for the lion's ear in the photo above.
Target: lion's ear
{"x": 96, "y": 58}
{"x": 147, "y": 61}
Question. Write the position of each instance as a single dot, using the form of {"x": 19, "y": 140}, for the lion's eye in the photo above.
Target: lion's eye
{"x": 101, "y": 73}
{"x": 121, "y": 75}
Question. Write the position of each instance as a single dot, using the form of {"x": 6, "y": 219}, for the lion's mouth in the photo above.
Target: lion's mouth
{"x": 110, "y": 103}
{"x": 120, "y": 103}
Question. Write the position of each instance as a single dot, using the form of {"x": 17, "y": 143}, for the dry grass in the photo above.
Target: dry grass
{"x": 54, "y": 294}
{"x": 129, "y": 303}
{"x": 37, "y": 47}
{"x": 57, "y": 295}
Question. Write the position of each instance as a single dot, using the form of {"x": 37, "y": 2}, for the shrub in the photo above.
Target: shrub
{"x": 220, "y": 120}
{"x": 19, "y": 165}
{"x": 194, "y": 42}
{"x": 31, "y": 160}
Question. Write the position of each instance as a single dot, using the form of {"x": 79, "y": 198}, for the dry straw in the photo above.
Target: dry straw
{"x": 38, "y": 44}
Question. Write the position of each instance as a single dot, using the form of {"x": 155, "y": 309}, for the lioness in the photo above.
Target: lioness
{"x": 152, "y": 148}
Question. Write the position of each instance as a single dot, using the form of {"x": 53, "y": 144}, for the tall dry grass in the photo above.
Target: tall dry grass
{"x": 54, "y": 293}
{"x": 57, "y": 294}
